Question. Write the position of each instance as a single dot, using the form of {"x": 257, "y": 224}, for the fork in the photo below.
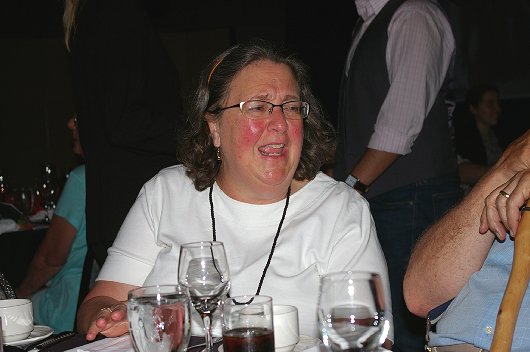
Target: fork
{"x": 214, "y": 340}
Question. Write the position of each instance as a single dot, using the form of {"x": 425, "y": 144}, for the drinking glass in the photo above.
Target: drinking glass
{"x": 203, "y": 269}
{"x": 351, "y": 311}
{"x": 248, "y": 324}
{"x": 159, "y": 318}
{"x": 24, "y": 200}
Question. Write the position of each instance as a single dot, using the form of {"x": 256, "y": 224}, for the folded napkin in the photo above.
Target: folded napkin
{"x": 8, "y": 225}
{"x": 111, "y": 344}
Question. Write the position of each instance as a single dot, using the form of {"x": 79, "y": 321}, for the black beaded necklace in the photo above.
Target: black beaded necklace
{"x": 275, "y": 237}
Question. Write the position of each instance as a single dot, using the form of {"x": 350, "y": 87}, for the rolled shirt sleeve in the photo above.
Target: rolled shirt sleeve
{"x": 419, "y": 52}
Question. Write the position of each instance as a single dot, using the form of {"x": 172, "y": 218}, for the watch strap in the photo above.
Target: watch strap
{"x": 356, "y": 184}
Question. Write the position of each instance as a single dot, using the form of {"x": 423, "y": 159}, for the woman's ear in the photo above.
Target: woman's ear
{"x": 213, "y": 125}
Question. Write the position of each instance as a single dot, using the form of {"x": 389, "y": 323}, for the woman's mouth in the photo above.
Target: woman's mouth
{"x": 272, "y": 149}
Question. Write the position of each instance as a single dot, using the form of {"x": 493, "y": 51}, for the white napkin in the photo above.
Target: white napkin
{"x": 122, "y": 344}
{"x": 8, "y": 225}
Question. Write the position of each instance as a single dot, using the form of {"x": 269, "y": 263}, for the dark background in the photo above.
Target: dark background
{"x": 492, "y": 38}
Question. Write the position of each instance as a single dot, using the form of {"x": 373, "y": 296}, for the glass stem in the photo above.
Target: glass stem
{"x": 207, "y": 332}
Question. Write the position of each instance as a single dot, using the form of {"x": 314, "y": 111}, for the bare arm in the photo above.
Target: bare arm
{"x": 50, "y": 257}
{"x": 453, "y": 249}
{"x": 372, "y": 164}
{"x": 104, "y": 310}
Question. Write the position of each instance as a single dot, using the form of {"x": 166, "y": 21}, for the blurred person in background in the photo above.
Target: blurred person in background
{"x": 394, "y": 143}
{"x": 128, "y": 102}
{"x": 477, "y": 145}
{"x": 53, "y": 279}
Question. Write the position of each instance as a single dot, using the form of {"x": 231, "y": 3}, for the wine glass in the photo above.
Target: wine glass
{"x": 159, "y": 318}
{"x": 351, "y": 311}
{"x": 203, "y": 269}
{"x": 24, "y": 200}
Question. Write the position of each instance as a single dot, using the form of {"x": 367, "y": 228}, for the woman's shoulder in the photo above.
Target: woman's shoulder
{"x": 170, "y": 177}
{"x": 335, "y": 192}
{"x": 78, "y": 171}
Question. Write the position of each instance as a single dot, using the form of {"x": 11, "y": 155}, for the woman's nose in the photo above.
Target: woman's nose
{"x": 278, "y": 121}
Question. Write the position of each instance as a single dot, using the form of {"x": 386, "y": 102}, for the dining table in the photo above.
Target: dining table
{"x": 77, "y": 343}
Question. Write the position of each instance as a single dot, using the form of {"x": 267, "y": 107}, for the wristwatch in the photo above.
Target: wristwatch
{"x": 356, "y": 184}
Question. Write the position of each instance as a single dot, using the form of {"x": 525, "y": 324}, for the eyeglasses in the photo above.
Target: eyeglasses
{"x": 259, "y": 109}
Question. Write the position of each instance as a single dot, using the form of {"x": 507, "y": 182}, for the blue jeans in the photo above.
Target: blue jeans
{"x": 400, "y": 216}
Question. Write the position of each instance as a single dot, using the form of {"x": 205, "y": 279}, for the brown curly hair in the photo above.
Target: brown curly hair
{"x": 196, "y": 150}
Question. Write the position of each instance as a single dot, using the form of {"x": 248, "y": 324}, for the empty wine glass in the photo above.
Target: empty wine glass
{"x": 351, "y": 311}
{"x": 24, "y": 200}
{"x": 203, "y": 269}
{"x": 159, "y": 318}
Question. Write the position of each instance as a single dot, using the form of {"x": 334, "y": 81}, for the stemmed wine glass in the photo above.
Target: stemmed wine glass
{"x": 203, "y": 269}
{"x": 351, "y": 311}
{"x": 24, "y": 200}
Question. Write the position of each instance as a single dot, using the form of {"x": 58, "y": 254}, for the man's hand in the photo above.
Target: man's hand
{"x": 501, "y": 211}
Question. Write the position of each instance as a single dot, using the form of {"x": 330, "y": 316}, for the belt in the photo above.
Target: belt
{"x": 432, "y": 318}
{"x": 464, "y": 347}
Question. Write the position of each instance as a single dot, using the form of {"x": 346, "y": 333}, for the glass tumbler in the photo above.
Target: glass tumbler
{"x": 159, "y": 318}
{"x": 248, "y": 324}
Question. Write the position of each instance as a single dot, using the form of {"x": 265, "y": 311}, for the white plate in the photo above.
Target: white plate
{"x": 40, "y": 332}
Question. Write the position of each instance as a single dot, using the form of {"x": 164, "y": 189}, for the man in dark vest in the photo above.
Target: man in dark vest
{"x": 394, "y": 142}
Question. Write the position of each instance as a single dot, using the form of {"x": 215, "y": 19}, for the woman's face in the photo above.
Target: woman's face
{"x": 72, "y": 125}
{"x": 487, "y": 112}
{"x": 259, "y": 157}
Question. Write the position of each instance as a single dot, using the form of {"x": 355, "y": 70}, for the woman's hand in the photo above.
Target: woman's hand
{"x": 104, "y": 310}
{"x": 110, "y": 321}
{"x": 501, "y": 212}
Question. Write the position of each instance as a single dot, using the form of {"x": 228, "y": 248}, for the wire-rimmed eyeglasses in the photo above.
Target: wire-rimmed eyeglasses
{"x": 259, "y": 109}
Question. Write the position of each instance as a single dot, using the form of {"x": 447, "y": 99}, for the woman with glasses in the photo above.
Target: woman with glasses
{"x": 250, "y": 178}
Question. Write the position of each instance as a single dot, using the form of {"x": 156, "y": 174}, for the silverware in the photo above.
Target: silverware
{"x": 214, "y": 340}
{"x": 50, "y": 341}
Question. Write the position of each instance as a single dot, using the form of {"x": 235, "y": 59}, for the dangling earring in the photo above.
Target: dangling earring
{"x": 219, "y": 154}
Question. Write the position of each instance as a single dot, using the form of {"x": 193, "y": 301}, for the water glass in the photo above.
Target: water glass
{"x": 351, "y": 311}
{"x": 159, "y": 318}
{"x": 248, "y": 324}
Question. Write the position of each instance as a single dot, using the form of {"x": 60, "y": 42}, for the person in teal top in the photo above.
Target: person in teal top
{"x": 53, "y": 280}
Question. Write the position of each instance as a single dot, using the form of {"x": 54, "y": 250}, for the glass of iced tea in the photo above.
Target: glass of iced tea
{"x": 247, "y": 324}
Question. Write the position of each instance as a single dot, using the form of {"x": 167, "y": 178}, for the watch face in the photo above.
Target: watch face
{"x": 356, "y": 184}
{"x": 351, "y": 181}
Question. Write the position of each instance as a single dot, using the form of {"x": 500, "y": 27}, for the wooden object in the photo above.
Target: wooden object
{"x": 515, "y": 289}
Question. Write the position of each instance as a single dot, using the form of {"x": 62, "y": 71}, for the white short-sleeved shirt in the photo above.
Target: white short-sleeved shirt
{"x": 328, "y": 227}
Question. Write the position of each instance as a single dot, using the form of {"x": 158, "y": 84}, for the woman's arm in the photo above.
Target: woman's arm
{"x": 50, "y": 257}
{"x": 104, "y": 310}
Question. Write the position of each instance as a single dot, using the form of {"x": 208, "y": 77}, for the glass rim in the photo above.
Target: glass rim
{"x": 362, "y": 273}
{"x": 202, "y": 244}
{"x": 262, "y": 298}
{"x": 180, "y": 289}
